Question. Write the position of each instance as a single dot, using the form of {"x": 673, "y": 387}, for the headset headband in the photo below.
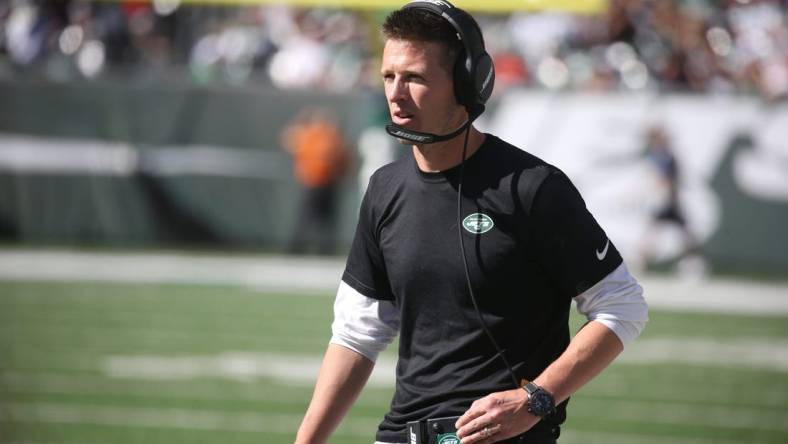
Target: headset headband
{"x": 467, "y": 30}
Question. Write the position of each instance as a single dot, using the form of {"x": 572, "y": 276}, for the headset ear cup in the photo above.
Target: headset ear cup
{"x": 484, "y": 78}
{"x": 473, "y": 80}
{"x": 463, "y": 83}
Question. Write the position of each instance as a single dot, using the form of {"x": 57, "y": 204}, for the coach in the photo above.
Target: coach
{"x": 472, "y": 251}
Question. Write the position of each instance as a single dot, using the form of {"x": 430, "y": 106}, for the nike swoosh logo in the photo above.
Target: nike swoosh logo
{"x": 601, "y": 254}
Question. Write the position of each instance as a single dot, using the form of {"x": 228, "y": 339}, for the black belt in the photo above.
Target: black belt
{"x": 442, "y": 431}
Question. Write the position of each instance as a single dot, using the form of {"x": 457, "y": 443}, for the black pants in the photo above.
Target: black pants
{"x": 315, "y": 223}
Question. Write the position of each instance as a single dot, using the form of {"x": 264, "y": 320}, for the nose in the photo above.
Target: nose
{"x": 397, "y": 90}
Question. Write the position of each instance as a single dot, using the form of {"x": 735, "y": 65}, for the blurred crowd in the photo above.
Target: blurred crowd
{"x": 708, "y": 46}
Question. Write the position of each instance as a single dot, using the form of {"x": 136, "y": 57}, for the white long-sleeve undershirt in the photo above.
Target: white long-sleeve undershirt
{"x": 362, "y": 324}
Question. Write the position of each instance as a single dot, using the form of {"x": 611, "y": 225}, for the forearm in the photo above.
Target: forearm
{"x": 506, "y": 414}
{"x": 341, "y": 378}
{"x": 592, "y": 349}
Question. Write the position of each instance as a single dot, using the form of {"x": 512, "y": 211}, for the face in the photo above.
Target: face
{"x": 419, "y": 88}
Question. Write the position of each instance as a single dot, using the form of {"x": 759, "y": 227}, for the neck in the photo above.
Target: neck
{"x": 441, "y": 156}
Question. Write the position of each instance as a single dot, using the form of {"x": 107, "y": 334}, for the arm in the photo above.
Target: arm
{"x": 342, "y": 376}
{"x": 617, "y": 313}
{"x": 362, "y": 328}
{"x": 593, "y": 348}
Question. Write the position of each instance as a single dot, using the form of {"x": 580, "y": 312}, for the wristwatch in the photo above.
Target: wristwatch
{"x": 540, "y": 401}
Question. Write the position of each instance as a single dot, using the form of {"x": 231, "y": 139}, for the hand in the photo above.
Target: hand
{"x": 496, "y": 417}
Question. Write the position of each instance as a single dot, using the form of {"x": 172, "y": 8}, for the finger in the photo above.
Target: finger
{"x": 475, "y": 438}
{"x": 474, "y": 426}
{"x": 468, "y": 416}
{"x": 478, "y": 408}
{"x": 494, "y": 433}
{"x": 485, "y": 435}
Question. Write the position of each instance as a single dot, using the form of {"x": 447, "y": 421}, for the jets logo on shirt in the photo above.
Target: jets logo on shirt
{"x": 478, "y": 223}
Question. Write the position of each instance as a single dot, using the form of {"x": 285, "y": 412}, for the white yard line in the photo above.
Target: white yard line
{"x": 267, "y": 272}
{"x": 322, "y": 275}
{"x": 147, "y": 417}
{"x": 764, "y": 354}
{"x": 717, "y": 295}
{"x": 168, "y": 418}
{"x": 54, "y": 382}
{"x": 239, "y": 366}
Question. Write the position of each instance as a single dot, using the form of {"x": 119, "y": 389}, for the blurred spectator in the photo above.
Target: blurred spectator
{"x": 669, "y": 213}
{"x": 321, "y": 159}
{"x": 709, "y": 46}
{"x": 661, "y": 156}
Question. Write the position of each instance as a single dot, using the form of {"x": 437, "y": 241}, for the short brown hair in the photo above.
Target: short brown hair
{"x": 424, "y": 26}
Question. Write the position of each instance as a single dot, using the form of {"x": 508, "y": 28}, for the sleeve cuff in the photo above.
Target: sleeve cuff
{"x": 616, "y": 302}
{"x": 362, "y": 324}
{"x": 627, "y": 331}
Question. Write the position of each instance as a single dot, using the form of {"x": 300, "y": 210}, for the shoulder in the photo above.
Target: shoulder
{"x": 515, "y": 157}
{"x": 389, "y": 175}
{"x": 521, "y": 171}
{"x": 557, "y": 198}
{"x": 557, "y": 186}
{"x": 386, "y": 184}
{"x": 505, "y": 159}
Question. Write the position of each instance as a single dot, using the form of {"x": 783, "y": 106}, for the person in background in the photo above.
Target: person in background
{"x": 669, "y": 213}
{"x": 321, "y": 159}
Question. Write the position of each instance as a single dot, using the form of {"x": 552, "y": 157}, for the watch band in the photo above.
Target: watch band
{"x": 531, "y": 388}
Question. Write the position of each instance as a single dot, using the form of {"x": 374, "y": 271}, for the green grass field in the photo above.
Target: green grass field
{"x": 143, "y": 363}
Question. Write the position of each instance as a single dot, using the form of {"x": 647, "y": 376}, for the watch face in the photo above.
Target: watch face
{"x": 540, "y": 403}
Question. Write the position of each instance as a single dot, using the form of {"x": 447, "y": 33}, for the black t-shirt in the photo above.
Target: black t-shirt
{"x": 531, "y": 246}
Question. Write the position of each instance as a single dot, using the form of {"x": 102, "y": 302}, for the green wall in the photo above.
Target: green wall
{"x": 144, "y": 208}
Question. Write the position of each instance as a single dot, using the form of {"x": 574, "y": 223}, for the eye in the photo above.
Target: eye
{"x": 414, "y": 78}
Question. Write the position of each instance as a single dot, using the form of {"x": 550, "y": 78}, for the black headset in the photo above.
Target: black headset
{"x": 473, "y": 73}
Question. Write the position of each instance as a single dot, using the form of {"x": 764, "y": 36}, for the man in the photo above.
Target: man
{"x": 530, "y": 247}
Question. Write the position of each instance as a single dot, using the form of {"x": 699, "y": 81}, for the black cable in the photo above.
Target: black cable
{"x": 465, "y": 264}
